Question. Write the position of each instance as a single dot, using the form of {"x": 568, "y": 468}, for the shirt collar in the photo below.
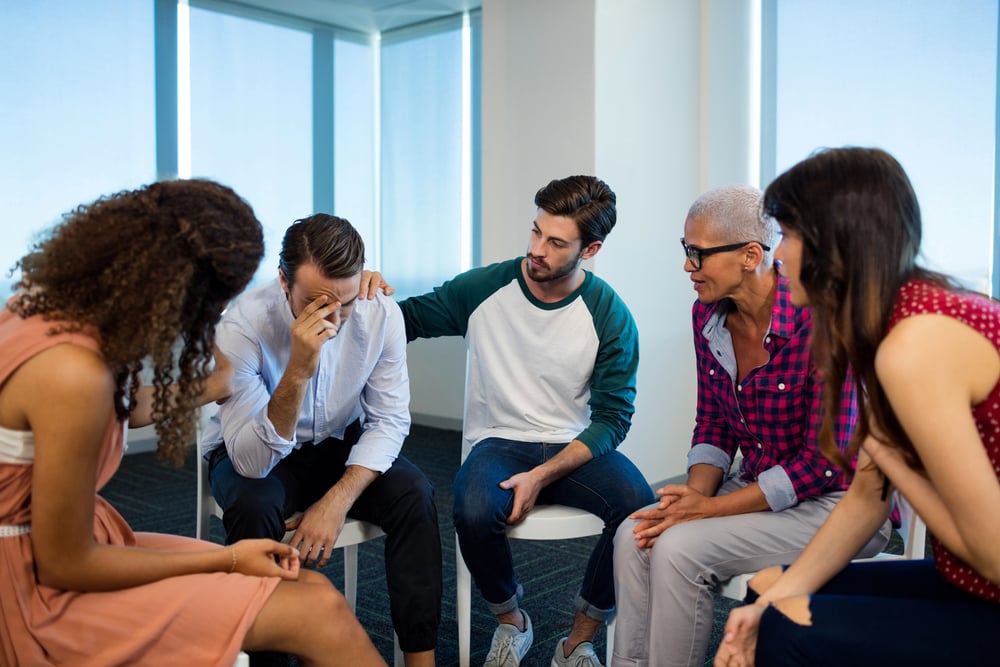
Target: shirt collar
{"x": 786, "y": 318}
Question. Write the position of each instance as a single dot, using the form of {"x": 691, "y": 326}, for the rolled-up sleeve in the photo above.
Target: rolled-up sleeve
{"x": 385, "y": 400}
{"x": 704, "y": 452}
{"x": 252, "y": 442}
{"x": 777, "y": 488}
{"x": 773, "y": 413}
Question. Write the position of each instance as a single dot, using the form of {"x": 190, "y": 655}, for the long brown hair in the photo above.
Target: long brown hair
{"x": 860, "y": 224}
{"x": 150, "y": 272}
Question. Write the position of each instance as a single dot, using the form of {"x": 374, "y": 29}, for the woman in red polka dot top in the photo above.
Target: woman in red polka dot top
{"x": 926, "y": 360}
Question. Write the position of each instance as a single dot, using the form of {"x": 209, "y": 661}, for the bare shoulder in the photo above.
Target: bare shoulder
{"x": 71, "y": 367}
{"x": 60, "y": 378}
{"x": 933, "y": 349}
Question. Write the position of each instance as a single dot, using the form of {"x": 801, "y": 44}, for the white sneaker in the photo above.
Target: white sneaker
{"x": 510, "y": 644}
{"x": 582, "y": 656}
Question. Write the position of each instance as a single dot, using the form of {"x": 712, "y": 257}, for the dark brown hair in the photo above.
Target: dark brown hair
{"x": 586, "y": 199}
{"x": 329, "y": 242}
{"x": 859, "y": 220}
{"x": 150, "y": 271}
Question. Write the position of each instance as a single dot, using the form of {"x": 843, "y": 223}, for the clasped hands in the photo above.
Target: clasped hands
{"x": 678, "y": 503}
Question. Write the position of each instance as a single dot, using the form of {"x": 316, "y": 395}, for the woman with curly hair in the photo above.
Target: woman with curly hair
{"x": 135, "y": 278}
{"x": 925, "y": 356}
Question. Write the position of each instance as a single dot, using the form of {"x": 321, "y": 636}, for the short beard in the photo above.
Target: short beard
{"x": 557, "y": 274}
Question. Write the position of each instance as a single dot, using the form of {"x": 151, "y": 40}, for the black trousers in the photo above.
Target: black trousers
{"x": 400, "y": 501}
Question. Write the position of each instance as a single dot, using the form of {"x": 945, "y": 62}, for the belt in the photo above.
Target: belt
{"x": 12, "y": 531}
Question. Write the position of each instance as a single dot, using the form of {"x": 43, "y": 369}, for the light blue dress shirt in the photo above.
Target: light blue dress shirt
{"x": 361, "y": 373}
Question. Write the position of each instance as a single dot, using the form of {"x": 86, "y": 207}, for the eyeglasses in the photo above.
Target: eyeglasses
{"x": 696, "y": 255}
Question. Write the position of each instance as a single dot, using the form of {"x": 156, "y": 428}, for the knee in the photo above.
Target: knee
{"x": 476, "y": 509}
{"x": 250, "y": 503}
{"x": 630, "y": 497}
{"x": 315, "y": 605}
{"x": 795, "y": 609}
{"x": 679, "y": 553}
{"x": 629, "y": 559}
{"x": 473, "y": 513}
{"x": 764, "y": 579}
{"x": 327, "y": 598}
{"x": 639, "y": 495}
{"x": 625, "y": 537}
{"x": 314, "y": 577}
{"x": 418, "y": 499}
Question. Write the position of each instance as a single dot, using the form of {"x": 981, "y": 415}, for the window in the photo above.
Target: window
{"x": 77, "y": 122}
{"x": 354, "y": 141}
{"x": 251, "y": 118}
{"x": 113, "y": 94}
{"x": 915, "y": 77}
{"x": 422, "y": 156}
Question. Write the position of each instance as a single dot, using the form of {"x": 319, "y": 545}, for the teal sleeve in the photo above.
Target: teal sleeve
{"x": 445, "y": 310}
{"x": 612, "y": 391}
{"x": 434, "y": 314}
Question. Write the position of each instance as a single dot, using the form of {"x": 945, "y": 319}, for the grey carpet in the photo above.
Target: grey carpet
{"x": 157, "y": 497}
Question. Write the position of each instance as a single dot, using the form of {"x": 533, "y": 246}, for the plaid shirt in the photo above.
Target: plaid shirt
{"x": 774, "y": 415}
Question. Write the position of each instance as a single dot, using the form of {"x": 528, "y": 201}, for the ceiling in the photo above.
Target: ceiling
{"x": 366, "y": 15}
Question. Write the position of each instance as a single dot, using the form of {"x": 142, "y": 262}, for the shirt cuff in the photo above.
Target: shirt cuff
{"x": 376, "y": 454}
{"x": 777, "y": 488}
{"x": 264, "y": 429}
{"x": 710, "y": 454}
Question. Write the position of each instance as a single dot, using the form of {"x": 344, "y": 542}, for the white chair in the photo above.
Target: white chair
{"x": 912, "y": 530}
{"x": 544, "y": 522}
{"x": 354, "y": 533}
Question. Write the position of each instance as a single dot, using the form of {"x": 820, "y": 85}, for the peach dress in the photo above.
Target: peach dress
{"x": 198, "y": 619}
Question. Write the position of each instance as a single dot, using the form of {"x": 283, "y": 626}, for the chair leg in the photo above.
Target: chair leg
{"x": 397, "y": 652}
{"x": 351, "y": 594}
{"x": 206, "y": 503}
{"x": 610, "y": 640}
{"x": 204, "y": 521}
{"x": 351, "y": 576}
{"x": 463, "y": 585}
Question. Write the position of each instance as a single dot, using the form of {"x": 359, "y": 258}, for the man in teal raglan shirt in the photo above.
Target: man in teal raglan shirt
{"x": 552, "y": 358}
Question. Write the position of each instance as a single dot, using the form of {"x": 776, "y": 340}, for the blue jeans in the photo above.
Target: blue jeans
{"x": 610, "y": 487}
{"x": 895, "y": 612}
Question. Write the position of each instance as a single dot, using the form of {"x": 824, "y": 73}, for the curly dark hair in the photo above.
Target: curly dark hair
{"x": 150, "y": 271}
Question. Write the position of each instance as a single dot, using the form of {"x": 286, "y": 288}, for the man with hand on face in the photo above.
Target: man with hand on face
{"x": 318, "y": 414}
{"x": 552, "y": 358}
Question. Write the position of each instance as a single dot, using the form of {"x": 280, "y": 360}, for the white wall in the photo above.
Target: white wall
{"x": 437, "y": 381}
{"x": 648, "y": 146}
{"x": 538, "y": 110}
{"x": 673, "y": 120}
{"x": 654, "y": 98}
